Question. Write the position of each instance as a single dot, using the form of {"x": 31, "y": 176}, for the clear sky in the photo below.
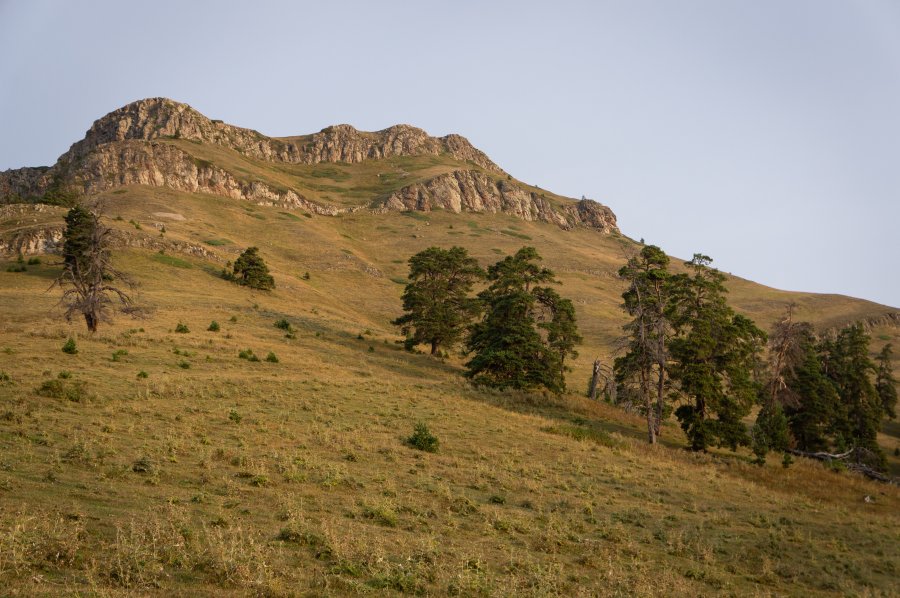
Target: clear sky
{"x": 764, "y": 133}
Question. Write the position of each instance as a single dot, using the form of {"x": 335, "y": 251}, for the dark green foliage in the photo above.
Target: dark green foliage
{"x": 284, "y": 325}
{"x": 88, "y": 274}
{"x": 436, "y": 299}
{"x": 848, "y": 366}
{"x": 70, "y": 347}
{"x": 422, "y": 439}
{"x": 4, "y": 377}
{"x": 34, "y": 261}
{"x": 510, "y": 351}
{"x": 770, "y": 432}
{"x": 714, "y": 355}
{"x": 248, "y": 355}
{"x": 213, "y": 326}
{"x": 181, "y": 328}
{"x": 811, "y": 402}
{"x": 642, "y": 370}
{"x": 885, "y": 385}
{"x": 142, "y": 375}
{"x": 234, "y": 416}
{"x": 271, "y": 357}
{"x": 57, "y": 388}
{"x": 119, "y": 354}
{"x": 250, "y": 270}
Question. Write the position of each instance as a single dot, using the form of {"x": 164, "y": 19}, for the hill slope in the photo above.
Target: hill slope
{"x": 215, "y": 474}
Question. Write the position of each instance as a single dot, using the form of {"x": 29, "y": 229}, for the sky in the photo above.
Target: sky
{"x": 765, "y": 134}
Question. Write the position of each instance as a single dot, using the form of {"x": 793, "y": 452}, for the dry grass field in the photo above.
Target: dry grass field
{"x": 160, "y": 462}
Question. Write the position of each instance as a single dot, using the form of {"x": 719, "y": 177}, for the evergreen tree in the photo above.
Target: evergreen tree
{"x": 643, "y": 367}
{"x": 885, "y": 384}
{"x": 813, "y": 404}
{"x": 436, "y": 300}
{"x": 88, "y": 275}
{"x": 849, "y": 368}
{"x": 510, "y": 351}
{"x": 770, "y": 432}
{"x": 714, "y": 356}
{"x": 250, "y": 270}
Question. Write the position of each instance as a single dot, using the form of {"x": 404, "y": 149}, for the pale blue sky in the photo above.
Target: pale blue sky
{"x": 764, "y": 133}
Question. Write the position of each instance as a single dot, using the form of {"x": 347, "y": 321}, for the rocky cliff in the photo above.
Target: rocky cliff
{"x": 132, "y": 146}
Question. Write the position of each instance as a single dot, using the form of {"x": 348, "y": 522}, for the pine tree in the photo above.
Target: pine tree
{"x": 885, "y": 384}
{"x": 643, "y": 367}
{"x": 813, "y": 404}
{"x": 436, "y": 299}
{"x": 250, "y": 270}
{"x": 861, "y": 409}
{"x": 88, "y": 275}
{"x": 714, "y": 356}
{"x": 509, "y": 350}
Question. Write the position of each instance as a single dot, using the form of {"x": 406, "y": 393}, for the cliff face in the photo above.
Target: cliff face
{"x": 130, "y": 147}
{"x": 470, "y": 191}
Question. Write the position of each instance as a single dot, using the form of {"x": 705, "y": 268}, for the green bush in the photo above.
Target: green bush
{"x": 422, "y": 439}
{"x": 283, "y": 324}
{"x": 271, "y": 357}
{"x": 70, "y": 347}
{"x": 34, "y": 261}
{"x": 213, "y": 326}
{"x": 119, "y": 354}
{"x": 4, "y": 377}
{"x": 182, "y": 328}
{"x": 56, "y": 388}
{"x": 234, "y": 416}
{"x": 142, "y": 374}
{"x": 248, "y": 355}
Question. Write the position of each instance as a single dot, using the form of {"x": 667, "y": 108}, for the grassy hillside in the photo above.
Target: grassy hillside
{"x": 219, "y": 475}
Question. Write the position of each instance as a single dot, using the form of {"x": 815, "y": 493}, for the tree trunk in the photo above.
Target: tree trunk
{"x": 434, "y": 347}
{"x": 595, "y": 381}
{"x": 91, "y": 320}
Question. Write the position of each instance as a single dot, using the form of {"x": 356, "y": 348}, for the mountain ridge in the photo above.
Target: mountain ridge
{"x": 152, "y": 142}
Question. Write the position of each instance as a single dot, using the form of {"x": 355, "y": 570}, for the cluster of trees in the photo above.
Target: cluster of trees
{"x": 518, "y": 330}
{"x": 688, "y": 351}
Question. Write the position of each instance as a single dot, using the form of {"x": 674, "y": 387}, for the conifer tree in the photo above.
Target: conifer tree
{"x": 885, "y": 384}
{"x": 812, "y": 403}
{"x": 714, "y": 356}
{"x": 643, "y": 366}
{"x": 250, "y": 270}
{"x": 88, "y": 275}
{"x": 509, "y": 349}
{"x": 436, "y": 299}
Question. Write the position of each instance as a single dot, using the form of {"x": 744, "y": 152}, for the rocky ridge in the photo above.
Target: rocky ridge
{"x": 130, "y": 146}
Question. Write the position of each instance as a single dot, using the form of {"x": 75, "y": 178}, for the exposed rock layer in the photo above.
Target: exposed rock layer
{"x": 129, "y": 147}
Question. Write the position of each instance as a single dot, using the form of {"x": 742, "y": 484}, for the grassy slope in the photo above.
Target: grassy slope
{"x": 527, "y": 496}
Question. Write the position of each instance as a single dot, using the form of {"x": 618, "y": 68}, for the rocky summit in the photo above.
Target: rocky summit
{"x": 158, "y": 142}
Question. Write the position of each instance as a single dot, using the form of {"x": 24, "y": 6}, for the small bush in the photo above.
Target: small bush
{"x": 233, "y": 319}
{"x": 234, "y": 416}
{"x": 4, "y": 377}
{"x": 213, "y": 326}
{"x": 271, "y": 357}
{"x": 284, "y": 325}
{"x": 119, "y": 354}
{"x": 70, "y": 347}
{"x": 58, "y": 388}
{"x": 248, "y": 355}
{"x": 306, "y": 276}
{"x": 34, "y": 261}
{"x": 17, "y": 268}
{"x": 185, "y": 365}
{"x": 143, "y": 375}
{"x": 182, "y": 328}
{"x": 422, "y": 439}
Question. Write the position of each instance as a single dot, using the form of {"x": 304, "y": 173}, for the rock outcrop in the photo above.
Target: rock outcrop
{"x": 472, "y": 191}
{"x": 133, "y": 146}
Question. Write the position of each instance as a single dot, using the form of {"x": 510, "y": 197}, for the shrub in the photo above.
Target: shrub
{"x": 70, "y": 347}
{"x": 248, "y": 355}
{"x": 213, "y": 326}
{"x": 182, "y": 328}
{"x": 422, "y": 439}
{"x": 59, "y": 389}
{"x": 271, "y": 357}
{"x": 283, "y": 324}
{"x": 143, "y": 375}
{"x": 306, "y": 276}
{"x": 4, "y": 377}
{"x": 250, "y": 270}
{"x": 185, "y": 365}
{"x": 34, "y": 261}
{"x": 234, "y": 416}
{"x": 119, "y": 354}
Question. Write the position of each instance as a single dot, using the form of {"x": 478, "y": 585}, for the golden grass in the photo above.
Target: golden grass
{"x": 292, "y": 478}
